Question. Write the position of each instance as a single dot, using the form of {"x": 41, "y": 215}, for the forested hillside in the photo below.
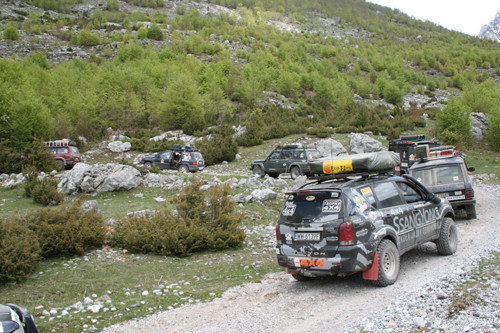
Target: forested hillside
{"x": 277, "y": 66}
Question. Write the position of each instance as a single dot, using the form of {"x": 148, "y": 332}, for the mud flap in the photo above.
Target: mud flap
{"x": 372, "y": 273}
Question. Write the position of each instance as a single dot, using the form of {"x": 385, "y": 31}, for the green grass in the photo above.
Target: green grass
{"x": 122, "y": 277}
{"x": 484, "y": 161}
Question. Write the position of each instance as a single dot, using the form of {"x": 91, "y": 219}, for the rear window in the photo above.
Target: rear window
{"x": 441, "y": 175}
{"x": 308, "y": 205}
{"x": 197, "y": 156}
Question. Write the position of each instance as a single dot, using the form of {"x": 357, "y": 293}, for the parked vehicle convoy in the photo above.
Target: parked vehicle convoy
{"x": 360, "y": 222}
{"x": 406, "y": 147}
{"x": 444, "y": 172}
{"x": 293, "y": 159}
{"x": 65, "y": 153}
{"x": 182, "y": 158}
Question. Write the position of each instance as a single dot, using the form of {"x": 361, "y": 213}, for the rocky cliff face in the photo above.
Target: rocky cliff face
{"x": 491, "y": 30}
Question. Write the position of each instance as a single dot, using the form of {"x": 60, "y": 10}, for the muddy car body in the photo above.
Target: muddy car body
{"x": 343, "y": 226}
{"x": 448, "y": 177}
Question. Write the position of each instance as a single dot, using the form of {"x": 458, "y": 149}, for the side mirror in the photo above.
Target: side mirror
{"x": 433, "y": 198}
{"x": 471, "y": 169}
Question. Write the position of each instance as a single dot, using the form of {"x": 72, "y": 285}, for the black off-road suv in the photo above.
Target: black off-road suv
{"x": 343, "y": 224}
{"x": 444, "y": 172}
{"x": 292, "y": 159}
{"x": 406, "y": 147}
{"x": 182, "y": 158}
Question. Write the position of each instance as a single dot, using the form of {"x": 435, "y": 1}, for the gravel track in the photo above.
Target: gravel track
{"x": 420, "y": 297}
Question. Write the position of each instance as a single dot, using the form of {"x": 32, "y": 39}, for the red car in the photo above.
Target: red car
{"x": 65, "y": 153}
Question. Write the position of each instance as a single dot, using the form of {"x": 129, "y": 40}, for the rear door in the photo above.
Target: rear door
{"x": 309, "y": 224}
{"x": 396, "y": 213}
{"x": 423, "y": 214}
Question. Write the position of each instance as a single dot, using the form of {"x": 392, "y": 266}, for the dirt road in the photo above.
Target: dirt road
{"x": 281, "y": 304}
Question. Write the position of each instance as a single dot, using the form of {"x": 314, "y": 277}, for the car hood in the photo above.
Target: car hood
{"x": 257, "y": 161}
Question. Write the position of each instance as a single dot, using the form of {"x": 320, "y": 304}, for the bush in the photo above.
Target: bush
{"x": 220, "y": 147}
{"x": 45, "y": 192}
{"x": 31, "y": 176}
{"x": 88, "y": 38}
{"x": 205, "y": 221}
{"x": 155, "y": 32}
{"x": 19, "y": 251}
{"x": 10, "y": 33}
{"x": 66, "y": 231}
{"x": 454, "y": 124}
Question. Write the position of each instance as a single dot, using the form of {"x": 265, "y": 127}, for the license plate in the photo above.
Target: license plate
{"x": 307, "y": 236}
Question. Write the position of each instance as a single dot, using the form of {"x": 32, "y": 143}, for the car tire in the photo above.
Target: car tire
{"x": 388, "y": 263}
{"x": 257, "y": 171}
{"x": 295, "y": 172}
{"x": 148, "y": 165}
{"x": 302, "y": 278}
{"x": 448, "y": 237}
{"x": 60, "y": 165}
{"x": 183, "y": 168}
{"x": 471, "y": 212}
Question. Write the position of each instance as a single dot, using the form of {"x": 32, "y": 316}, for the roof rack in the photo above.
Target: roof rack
{"x": 178, "y": 147}
{"x": 292, "y": 146}
{"x": 345, "y": 176}
{"x": 60, "y": 143}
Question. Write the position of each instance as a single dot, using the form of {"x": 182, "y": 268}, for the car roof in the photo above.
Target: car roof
{"x": 437, "y": 161}
{"x": 348, "y": 183}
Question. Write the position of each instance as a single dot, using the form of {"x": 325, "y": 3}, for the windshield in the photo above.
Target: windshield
{"x": 447, "y": 174}
{"x": 75, "y": 150}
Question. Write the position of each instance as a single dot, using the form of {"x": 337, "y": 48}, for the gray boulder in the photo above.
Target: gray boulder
{"x": 329, "y": 147}
{"x": 263, "y": 195}
{"x": 99, "y": 178}
{"x": 479, "y": 125}
{"x": 362, "y": 143}
{"x": 119, "y": 146}
{"x": 90, "y": 205}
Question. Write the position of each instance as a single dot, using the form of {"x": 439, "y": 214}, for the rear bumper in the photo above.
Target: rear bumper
{"x": 457, "y": 204}
{"x": 349, "y": 259}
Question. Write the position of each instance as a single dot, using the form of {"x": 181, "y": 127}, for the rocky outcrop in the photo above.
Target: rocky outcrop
{"x": 362, "y": 143}
{"x": 119, "y": 146}
{"x": 329, "y": 147}
{"x": 479, "y": 125}
{"x": 492, "y": 29}
{"x": 99, "y": 178}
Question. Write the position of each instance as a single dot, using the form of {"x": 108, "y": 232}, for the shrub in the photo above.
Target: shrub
{"x": 66, "y": 231}
{"x": 155, "y": 32}
{"x": 454, "y": 124}
{"x": 219, "y": 147}
{"x": 205, "y": 221}
{"x": 45, "y": 192}
{"x": 19, "y": 251}
{"x": 88, "y": 38}
{"x": 31, "y": 176}
{"x": 10, "y": 33}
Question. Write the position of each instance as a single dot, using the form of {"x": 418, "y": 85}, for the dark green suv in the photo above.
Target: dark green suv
{"x": 292, "y": 159}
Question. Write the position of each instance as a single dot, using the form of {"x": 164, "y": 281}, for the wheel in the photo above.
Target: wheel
{"x": 471, "y": 212}
{"x": 60, "y": 164}
{"x": 301, "y": 278}
{"x": 183, "y": 168}
{"x": 448, "y": 237}
{"x": 295, "y": 172}
{"x": 274, "y": 175}
{"x": 257, "y": 170}
{"x": 388, "y": 263}
{"x": 148, "y": 164}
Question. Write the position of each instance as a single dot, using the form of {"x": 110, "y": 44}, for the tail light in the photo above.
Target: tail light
{"x": 469, "y": 194}
{"x": 195, "y": 162}
{"x": 346, "y": 234}
{"x": 278, "y": 235}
